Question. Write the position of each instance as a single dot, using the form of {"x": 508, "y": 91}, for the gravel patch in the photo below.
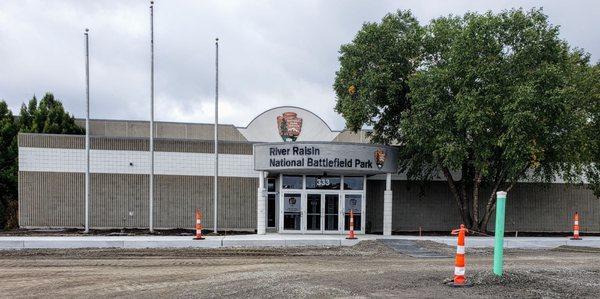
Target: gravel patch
{"x": 368, "y": 269}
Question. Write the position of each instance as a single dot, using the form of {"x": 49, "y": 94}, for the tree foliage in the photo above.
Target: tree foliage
{"x": 47, "y": 116}
{"x": 489, "y": 99}
{"x": 591, "y": 82}
{"x": 8, "y": 162}
{"x": 372, "y": 82}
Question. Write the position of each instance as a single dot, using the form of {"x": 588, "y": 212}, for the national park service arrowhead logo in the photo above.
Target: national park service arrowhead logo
{"x": 290, "y": 126}
{"x": 379, "y": 158}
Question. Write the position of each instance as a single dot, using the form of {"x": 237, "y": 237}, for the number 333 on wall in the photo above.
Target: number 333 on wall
{"x": 323, "y": 182}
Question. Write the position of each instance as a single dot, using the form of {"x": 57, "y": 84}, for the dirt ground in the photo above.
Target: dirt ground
{"x": 369, "y": 269}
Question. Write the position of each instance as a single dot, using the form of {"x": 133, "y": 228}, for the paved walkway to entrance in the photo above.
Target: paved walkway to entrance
{"x": 412, "y": 248}
{"x": 269, "y": 240}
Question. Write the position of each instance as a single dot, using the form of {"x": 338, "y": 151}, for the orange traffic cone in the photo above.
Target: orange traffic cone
{"x": 459, "y": 262}
{"x": 351, "y": 235}
{"x": 576, "y": 227}
{"x": 198, "y": 226}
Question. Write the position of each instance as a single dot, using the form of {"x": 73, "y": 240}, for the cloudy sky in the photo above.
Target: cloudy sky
{"x": 272, "y": 53}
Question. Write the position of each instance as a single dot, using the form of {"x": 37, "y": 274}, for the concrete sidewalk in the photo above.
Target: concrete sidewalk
{"x": 512, "y": 242}
{"x": 269, "y": 240}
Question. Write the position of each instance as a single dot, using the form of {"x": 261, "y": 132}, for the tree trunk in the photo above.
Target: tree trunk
{"x": 486, "y": 218}
{"x": 459, "y": 199}
{"x": 476, "y": 184}
{"x": 464, "y": 196}
{"x": 482, "y": 225}
{"x": 466, "y": 188}
{"x": 491, "y": 205}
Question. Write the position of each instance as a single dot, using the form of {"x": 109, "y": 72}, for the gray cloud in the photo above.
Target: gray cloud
{"x": 272, "y": 52}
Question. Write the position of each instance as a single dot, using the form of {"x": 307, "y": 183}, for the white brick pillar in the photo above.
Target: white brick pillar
{"x": 387, "y": 206}
{"x": 261, "y": 204}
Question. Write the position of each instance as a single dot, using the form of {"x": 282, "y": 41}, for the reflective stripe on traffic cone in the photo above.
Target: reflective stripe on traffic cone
{"x": 576, "y": 227}
{"x": 198, "y": 226}
{"x": 351, "y": 234}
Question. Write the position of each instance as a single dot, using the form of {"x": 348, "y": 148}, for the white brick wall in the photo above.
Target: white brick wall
{"x": 107, "y": 161}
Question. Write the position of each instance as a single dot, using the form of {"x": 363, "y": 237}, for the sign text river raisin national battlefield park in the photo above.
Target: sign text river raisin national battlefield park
{"x": 309, "y": 156}
{"x": 325, "y": 156}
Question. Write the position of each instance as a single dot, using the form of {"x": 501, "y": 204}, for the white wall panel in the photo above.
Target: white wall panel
{"x": 134, "y": 162}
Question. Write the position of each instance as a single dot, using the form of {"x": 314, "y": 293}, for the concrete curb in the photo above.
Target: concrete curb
{"x": 12, "y": 243}
{"x": 270, "y": 240}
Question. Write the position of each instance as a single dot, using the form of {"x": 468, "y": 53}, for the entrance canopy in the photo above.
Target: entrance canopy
{"x": 321, "y": 157}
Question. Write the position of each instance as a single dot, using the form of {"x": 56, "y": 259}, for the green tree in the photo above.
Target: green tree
{"x": 372, "y": 82}
{"x": 8, "y": 165}
{"x": 47, "y": 116}
{"x": 591, "y": 81}
{"x": 490, "y": 99}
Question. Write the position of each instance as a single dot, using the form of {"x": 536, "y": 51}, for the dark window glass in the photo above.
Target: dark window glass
{"x": 323, "y": 182}
{"x": 353, "y": 183}
{"x": 313, "y": 211}
{"x": 332, "y": 202}
{"x": 292, "y": 182}
{"x": 270, "y": 185}
{"x": 357, "y": 222}
{"x": 271, "y": 210}
{"x": 291, "y": 221}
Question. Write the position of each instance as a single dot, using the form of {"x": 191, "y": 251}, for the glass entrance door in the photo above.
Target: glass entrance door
{"x": 332, "y": 209}
{"x": 322, "y": 213}
{"x": 353, "y": 203}
{"x": 315, "y": 204}
{"x": 313, "y": 212}
{"x": 292, "y": 211}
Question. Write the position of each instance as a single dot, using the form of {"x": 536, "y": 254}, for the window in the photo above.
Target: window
{"x": 291, "y": 212}
{"x": 323, "y": 182}
{"x": 271, "y": 210}
{"x": 270, "y": 185}
{"x": 332, "y": 202}
{"x": 292, "y": 182}
{"x": 353, "y": 202}
{"x": 353, "y": 182}
{"x": 313, "y": 211}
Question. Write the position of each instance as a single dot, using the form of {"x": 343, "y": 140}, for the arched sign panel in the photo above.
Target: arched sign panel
{"x": 317, "y": 156}
{"x": 287, "y": 124}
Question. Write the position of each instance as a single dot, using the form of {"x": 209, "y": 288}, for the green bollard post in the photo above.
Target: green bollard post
{"x": 499, "y": 232}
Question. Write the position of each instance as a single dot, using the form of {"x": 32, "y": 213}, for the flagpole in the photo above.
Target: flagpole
{"x": 216, "y": 178}
{"x": 87, "y": 132}
{"x": 151, "y": 182}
